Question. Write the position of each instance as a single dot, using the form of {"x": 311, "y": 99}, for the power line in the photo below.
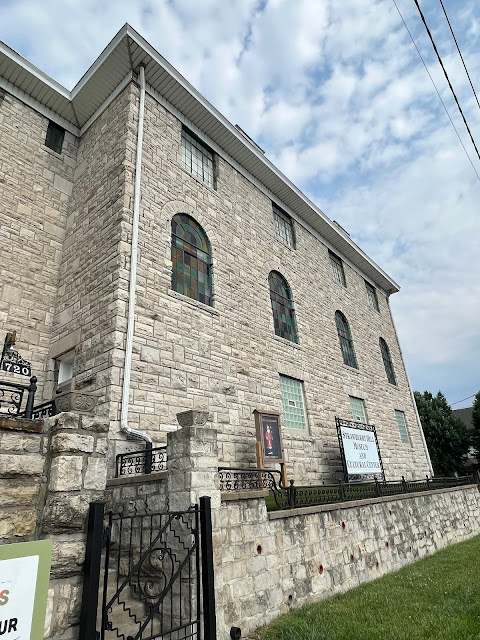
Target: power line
{"x": 446, "y": 76}
{"x": 473, "y": 394}
{"x": 438, "y": 93}
{"x": 460, "y": 53}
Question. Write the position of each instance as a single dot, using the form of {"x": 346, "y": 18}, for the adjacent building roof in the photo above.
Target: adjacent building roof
{"x": 120, "y": 59}
{"x": 465, "y": 415}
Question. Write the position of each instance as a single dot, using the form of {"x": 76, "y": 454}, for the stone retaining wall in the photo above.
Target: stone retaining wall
{"x": 49, "y": 473}
{"x": 271, "y": 562}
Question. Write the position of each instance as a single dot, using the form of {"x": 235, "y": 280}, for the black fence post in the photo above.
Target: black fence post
{"x": 31, "y": 398}
{"x": 291, "y": 495}
{"x": 341, "y": 490}
{"x": 208, "y": 577}
{"x": 91, "y": 572}
{"x": 148, "y": 457}
{"x": 377, "y": 487}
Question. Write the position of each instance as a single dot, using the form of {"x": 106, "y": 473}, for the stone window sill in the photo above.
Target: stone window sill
{"x": 288, "y": 343}
{"x": 51, "y": 152}
{"x": 347, "y": 367}
{"x": 192, "y": 302}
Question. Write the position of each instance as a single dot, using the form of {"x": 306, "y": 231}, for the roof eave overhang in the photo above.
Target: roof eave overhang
{"x": 126, "y": 52}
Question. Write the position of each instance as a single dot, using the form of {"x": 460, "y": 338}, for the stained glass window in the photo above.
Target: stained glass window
{"x": 358, "y": 410}
{"x": 372, "y": 296}
{"x": 197, "y": 158}
{"x": 191, "y": 262}
{"x": 402, "y": 427}
{"x": 337, "y": 269}
{"x": 387, "y": 361}
{"x": 283, "y": 227}
{"x": 293, "y": 404}
{"x": 346, "y": 342}
{"x": 54, "y": 137}
{"x": 282, "y": 307}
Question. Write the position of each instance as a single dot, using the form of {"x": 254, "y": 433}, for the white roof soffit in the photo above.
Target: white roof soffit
{"x": 127, "y": 52}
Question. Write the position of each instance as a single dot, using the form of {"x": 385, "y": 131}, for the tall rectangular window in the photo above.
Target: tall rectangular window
{"x": 283, "y": 227}
{"x": 55, "y": 136}
{"x": 358, "y": 410}
{"x": 402, "y": 426}
{"x": 337, "y": 269}
{"x": 197, "y": 158}
{"x": 294, "y": 415}
{"x": 372, "y": 296}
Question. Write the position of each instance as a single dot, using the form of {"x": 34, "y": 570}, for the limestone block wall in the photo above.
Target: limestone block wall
{"x": 227, "y": 359}
{"x": 49, "y": 473}
{"x": 93, "y": 287}
{"x": 138, "y": 494}
{"x": 35, "y": 185}
{"x": 272, "y": 562}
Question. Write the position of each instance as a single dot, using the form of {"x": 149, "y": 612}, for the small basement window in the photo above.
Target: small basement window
{"x": 64, "y": 369}
{"x": 55, "y": 136}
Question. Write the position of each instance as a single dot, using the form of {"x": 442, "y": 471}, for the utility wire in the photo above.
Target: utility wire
{"x": 473, "y": 394}
{"x": 438, "y": 92}
{"x": 460, "y": 53}
{"x": 446, "y": 76}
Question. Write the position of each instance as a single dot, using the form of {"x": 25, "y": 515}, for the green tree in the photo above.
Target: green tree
{"x": 476, "y": 424}
{"x": 448, "y": 439}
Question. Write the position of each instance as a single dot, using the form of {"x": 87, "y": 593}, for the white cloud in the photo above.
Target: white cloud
{"x": 336, "y": 94}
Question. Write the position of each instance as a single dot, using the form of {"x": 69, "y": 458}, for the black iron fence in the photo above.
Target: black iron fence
{"x": 17, "y": 401}
{"x": 158, "y": 575}
{"x": 149, "y": 460}
{"x": 295, "y": 497}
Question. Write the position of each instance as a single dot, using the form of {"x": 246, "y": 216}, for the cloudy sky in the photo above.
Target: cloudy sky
{"x": 337, "y": 95}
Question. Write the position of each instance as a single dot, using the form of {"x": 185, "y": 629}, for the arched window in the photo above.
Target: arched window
{"x": 282, "y": 307}
{"x": 191, "y": 260}
{"x": 346, "y": 342}
{"x": 387, "y": 361}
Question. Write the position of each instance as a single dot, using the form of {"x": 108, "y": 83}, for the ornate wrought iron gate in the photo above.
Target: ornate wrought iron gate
{"x": 157, "y": 576}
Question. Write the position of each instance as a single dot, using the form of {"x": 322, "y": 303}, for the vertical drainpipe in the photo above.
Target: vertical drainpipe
{"x": 411, "y": 392}
{"x": 130, "y": 431}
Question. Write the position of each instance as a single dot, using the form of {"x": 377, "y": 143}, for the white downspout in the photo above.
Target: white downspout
{"x": 411, "y": 394}
{"x": 127, "y": 369}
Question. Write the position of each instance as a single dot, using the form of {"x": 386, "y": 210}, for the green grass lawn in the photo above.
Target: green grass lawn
{"x": 437, "y": 598}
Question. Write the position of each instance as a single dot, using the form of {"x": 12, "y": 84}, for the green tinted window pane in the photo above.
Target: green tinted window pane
{"x": 190, "y": 264}
{"x": 387, "y": 362}
{"x": 358, "y": 410}
{"x": 402, "y": 427}
{"x": 54, "y": 137}
{"x": 293, "y": 403}
{"x": 337, "y": 269}
{"x": 282, "y": 308}
{"x": 346, "y": 342}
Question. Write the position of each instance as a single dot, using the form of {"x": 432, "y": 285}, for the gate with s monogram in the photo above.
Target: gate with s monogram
{"x": 157, "y": 576}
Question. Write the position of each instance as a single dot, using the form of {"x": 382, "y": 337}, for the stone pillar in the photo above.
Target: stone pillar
{"x": 192, "y": 455}
{"x": 192, "y": 458}
{"x": 76, "y": 467}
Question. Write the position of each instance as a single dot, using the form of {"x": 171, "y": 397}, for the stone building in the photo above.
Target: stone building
{"x": 246, "y": 296}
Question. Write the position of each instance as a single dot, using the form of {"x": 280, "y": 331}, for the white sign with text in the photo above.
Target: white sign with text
{"x": 361, "y": 453}
{"x": 18, "y": 579}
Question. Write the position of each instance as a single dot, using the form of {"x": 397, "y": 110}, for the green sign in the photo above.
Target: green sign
{"x": 24, "y": 576}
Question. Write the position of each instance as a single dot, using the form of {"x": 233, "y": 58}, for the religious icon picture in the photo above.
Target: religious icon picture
{"x": 269, "y": 437}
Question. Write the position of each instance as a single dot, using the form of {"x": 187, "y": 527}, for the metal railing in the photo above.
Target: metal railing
{"x": 146, "y": 461}
{"x": 295, "y": 497}
{"x": 12, "y": 396}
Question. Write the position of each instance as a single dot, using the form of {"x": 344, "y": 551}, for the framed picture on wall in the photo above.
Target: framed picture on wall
{"x": 269, "y": 438}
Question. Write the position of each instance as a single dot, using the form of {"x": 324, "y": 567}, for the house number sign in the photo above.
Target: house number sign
{"x": 24, "y": 369}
